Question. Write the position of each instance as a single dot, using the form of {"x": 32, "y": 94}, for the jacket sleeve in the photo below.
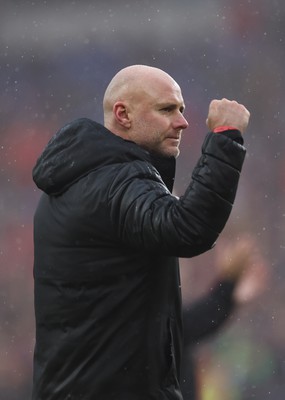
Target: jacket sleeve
{"x": 206, "y": 315}
{"x": 146, "y": 216}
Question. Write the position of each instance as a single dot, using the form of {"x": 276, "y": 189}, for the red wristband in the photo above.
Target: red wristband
{"x": 223, "y": 128}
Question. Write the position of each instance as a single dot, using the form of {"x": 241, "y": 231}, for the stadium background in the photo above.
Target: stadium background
{"x": 56, "y": 59}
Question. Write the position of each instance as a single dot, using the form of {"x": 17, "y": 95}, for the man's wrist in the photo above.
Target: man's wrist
{"x": 224, "y": 128}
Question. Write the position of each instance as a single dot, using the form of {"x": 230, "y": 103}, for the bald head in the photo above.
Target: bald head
{"x": 130, "y": 79}
{"x": 144, "y": 104}
{"x": 129, "y": 84}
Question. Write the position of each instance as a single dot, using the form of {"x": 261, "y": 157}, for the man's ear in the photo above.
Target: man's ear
{"x": 121, "y": 114}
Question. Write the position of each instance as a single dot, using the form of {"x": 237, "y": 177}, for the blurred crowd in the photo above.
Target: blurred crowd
{"x": 56, "y": 60}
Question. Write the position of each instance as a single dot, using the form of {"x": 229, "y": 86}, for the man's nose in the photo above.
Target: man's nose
{"x": 182, "y": 122}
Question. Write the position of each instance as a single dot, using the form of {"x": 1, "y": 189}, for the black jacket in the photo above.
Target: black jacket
{"x": 107, "y": 232}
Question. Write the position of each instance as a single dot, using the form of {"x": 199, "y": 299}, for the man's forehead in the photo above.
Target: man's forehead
{"x": 169, "y": 97}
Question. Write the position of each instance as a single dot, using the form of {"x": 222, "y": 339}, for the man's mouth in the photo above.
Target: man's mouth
{"x": 174, "y": 138}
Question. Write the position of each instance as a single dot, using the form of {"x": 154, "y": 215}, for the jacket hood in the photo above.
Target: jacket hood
{"x": 84, "y": 145}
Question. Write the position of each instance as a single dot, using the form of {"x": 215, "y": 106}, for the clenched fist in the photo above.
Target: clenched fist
{"x": 227, "y": 113}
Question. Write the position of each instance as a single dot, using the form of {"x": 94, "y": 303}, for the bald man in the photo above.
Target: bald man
{"x": 108, "y": 233}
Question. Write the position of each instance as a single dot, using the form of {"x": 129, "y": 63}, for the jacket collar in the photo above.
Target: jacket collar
{"x": 84, "y": 145}
{"x": 166, "y": 167}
